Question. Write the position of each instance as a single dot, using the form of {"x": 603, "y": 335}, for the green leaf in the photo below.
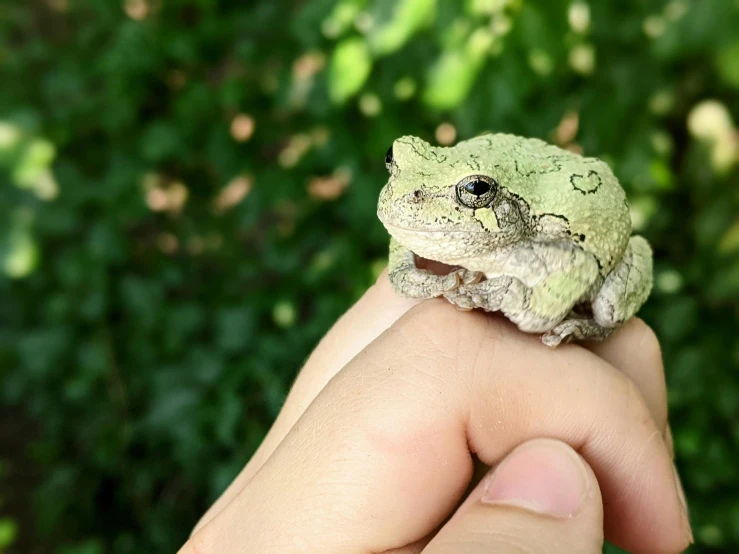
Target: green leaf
{"x": 34, "y": 162}
{"x": 408, "y": 16}
{"x": 351, "y": 65}
{"x": 8, "y": 532}
{"x": 452, "y": 76}
{"x": 20, "y": 254}
{"x": 727, "y": 63}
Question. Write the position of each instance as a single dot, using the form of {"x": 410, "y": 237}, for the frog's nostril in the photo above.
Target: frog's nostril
{"x": 417, "y": 195}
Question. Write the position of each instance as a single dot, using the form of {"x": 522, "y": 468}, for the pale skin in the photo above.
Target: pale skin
{"x": 535, "y": 232}
{"x": 373, "y": 450}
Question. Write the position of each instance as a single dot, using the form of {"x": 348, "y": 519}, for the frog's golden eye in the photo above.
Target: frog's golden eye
{"x": 389, "y": 158}
{"x": 477, "y": 191}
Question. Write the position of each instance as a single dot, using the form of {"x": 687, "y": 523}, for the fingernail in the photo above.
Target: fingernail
{"x": 686, "y": 513}
{"x": 544, "y": 476}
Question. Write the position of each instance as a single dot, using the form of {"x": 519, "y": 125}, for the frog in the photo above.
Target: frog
{"x": 536, "y": 232}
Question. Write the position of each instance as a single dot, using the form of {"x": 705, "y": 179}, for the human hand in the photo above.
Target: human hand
{"x": 372, "y": 451}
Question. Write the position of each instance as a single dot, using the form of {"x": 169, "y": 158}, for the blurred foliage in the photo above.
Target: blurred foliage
{"x": 189, "y": 192}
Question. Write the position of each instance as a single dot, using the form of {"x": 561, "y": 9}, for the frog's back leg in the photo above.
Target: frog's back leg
{"x": 626, "y": 287}
{"x": 622, "y": 293}
{"x": 538, "y": 308}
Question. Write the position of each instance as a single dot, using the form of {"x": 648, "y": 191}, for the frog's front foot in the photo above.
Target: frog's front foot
{"x": 488, "y": 294}
{"x": 575, "y": 329}
{"x": 413, "y": 282}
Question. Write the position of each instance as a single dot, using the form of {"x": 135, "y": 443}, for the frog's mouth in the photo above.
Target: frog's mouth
{"x": 436, "y": 232}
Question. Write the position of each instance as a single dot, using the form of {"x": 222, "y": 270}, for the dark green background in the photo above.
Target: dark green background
{"x": 150, "y": 324}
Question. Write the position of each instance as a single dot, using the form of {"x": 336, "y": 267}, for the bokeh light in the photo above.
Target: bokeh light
{"x": 582, "y": 59}
{"x": 242, "y": 127}
{"x": 567, "y": 128}
{"x": 331, "y": 187}
{"x": 233, "y": 193}
{"x": 137, "y": 10}
{"x": 578, "y": 17}
{"x": 445, "y": 134}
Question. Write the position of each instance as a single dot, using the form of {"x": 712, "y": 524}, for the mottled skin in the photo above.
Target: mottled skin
{"x": 534, "y": 231}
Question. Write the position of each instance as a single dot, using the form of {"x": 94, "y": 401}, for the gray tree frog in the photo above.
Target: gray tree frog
{"x": 538, "y": 233}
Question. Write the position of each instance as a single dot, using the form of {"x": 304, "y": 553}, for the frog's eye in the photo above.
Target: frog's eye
{"x": 477, "y": 191}
{"x": 389, "y": 158}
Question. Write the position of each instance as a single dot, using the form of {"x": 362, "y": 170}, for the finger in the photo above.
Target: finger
{"x": 669, "y": 442}
{"x": 635, "y": 351}
{"x": 382, "y": 455}
{"x": 542, "y": 498}
{"x": 374, "y": 313}
{"x": 414, "y": 548}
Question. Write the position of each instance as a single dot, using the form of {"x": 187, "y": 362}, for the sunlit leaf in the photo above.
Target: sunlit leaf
{"x": 8, "y": 532}
{"x": 452, "y": 76}
{"x": 408, "y": 16}
{"x": 10, "y": 136}
{"x": 351, "y": 65}
{"x": 34, "y": 162}
{"x": 22, "y": 254}
{"x": 727, "y": 62}
{"x": 729, "y": 242}
{"x": 342, "y": 17}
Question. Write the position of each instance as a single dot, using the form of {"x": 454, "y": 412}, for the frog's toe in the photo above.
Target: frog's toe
{"x": 459, "y": 277}
{"x": 450, "y": 282}
{"x": 575, "y": 329}
{"x": 468, "y": 277}
{"x": 552, "y": 339}
{"x": 458, "y": 306}
{"x": 461, "y": 300}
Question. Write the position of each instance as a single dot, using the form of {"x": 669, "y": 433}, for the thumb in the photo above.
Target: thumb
{"x": 541, "y": 498}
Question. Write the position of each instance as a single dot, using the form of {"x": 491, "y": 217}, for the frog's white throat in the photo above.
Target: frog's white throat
{"x": 446, "y": 247}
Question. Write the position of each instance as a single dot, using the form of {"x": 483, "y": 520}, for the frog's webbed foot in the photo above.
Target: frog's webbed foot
{"x": 413, "y": 282}
{"x": 507, "y": 295}
{"x": 490, "y": 295}
{"x": 576, "y": 328}
{"x": 409, "y": 280}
